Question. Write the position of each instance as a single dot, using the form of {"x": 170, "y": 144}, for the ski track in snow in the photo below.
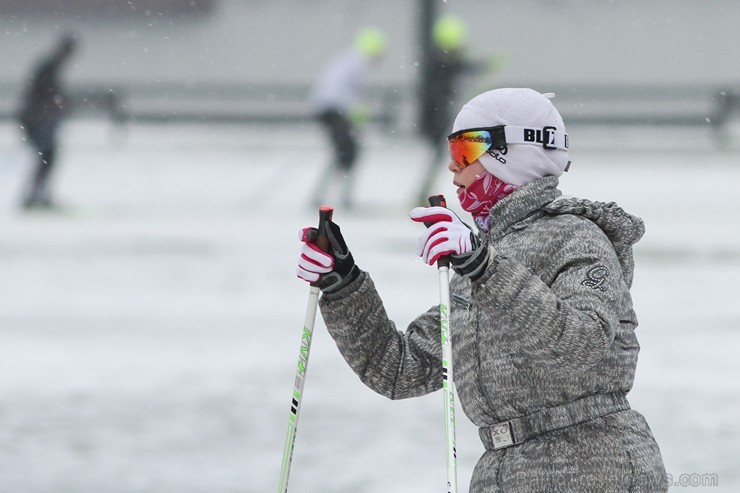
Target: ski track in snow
{"x": 150, "y": 329}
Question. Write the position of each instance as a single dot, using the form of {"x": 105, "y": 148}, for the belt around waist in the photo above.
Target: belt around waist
{"x": 523, "y": 428}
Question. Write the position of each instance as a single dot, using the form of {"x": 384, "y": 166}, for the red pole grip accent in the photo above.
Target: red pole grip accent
{"x": 438, "y": 200}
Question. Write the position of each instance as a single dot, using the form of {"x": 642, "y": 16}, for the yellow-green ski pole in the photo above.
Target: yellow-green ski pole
{"x": 325, "y": 214}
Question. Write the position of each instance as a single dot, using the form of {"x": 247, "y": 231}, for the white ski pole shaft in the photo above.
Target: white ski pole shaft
{"x": 325, "y": 214}
{"x": 448, "y": 384}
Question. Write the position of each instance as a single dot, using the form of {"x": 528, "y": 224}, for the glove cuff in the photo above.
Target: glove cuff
{"x": 471, "y": 265}
{"x": 334, "y": 281}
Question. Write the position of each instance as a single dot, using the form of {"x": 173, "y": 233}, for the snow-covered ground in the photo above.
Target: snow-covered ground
{"x": 149, "y": 331}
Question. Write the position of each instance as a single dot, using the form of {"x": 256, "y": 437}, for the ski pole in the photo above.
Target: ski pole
{"x": 448, "y": 384}
{"x": 325, "y": 214}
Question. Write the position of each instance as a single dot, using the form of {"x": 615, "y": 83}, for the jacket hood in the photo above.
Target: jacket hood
{"x": 622, "y": 229}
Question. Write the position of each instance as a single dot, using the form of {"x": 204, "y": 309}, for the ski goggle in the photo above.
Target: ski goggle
{"x": 466, "y": 146}
{"x": 470, "y": 144}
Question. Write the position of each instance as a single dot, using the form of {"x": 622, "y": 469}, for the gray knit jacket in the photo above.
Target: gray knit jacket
{"x": 548, "y": 325}
{"x": 550, "y": 320}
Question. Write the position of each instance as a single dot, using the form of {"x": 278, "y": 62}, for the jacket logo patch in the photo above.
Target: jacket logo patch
{"x": 596, "y": 278}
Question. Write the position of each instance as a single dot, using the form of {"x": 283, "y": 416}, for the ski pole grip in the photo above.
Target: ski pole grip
{"x": 322, "y": 238}
{"x": 439, "y": 201}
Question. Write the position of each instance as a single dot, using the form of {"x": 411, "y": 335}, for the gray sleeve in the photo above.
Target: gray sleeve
{"x": 395, "y": 364}
{"x": 570, "y": 321}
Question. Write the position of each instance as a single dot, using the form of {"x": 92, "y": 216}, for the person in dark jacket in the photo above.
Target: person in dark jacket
{"x": 443, "y": 74}
{"x": 44, "y": 106}
{"x": 542, "y": 323}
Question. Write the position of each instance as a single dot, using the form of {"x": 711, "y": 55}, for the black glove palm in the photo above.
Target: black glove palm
{"x": 345, "y": 270}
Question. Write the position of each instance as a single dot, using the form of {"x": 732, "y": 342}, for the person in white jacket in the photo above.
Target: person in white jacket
{"x": 336, "y": 100}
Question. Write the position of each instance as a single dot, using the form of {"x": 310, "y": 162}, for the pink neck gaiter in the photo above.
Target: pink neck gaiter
{"x": 479, "y": 197}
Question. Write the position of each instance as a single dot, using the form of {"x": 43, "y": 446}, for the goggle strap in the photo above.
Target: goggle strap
{"x": 547, "y": 137}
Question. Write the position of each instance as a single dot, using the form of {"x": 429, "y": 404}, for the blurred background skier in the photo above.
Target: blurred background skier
{"x": 336, "y": 99}
{"x": 45, "y": 104}
{"x": 542, "y": 322}
{"x": 444, "y": 75}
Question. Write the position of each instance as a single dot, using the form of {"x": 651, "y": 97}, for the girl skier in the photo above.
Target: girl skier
{"x": 543, "y": 329}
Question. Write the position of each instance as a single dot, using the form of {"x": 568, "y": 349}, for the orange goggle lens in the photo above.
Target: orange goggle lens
{"x": 468, "y": 145}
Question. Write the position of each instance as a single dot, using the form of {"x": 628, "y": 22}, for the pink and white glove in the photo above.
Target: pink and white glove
{"x": 312, "y": 262}
{"x": 447, "y": 235}
{"x": 336, "y": 267}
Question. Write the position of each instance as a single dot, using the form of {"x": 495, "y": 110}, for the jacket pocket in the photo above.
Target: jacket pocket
{"x": 460, "y": 302}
